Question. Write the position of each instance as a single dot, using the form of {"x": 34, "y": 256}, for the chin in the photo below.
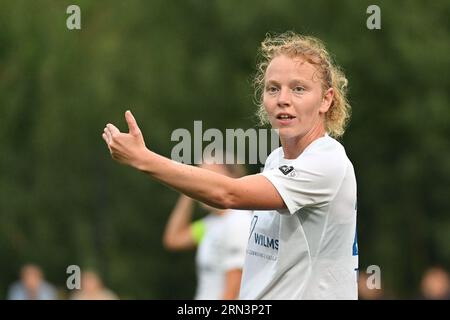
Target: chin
{"x": 288, "y": 133}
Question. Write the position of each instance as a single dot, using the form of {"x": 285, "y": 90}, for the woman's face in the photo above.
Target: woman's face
{"x": 294, "y": 98}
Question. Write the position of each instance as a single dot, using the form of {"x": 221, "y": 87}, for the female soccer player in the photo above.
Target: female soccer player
{"x": 302, "y": 242}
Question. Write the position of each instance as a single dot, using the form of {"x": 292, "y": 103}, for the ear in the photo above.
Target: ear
{"x": 326, "y": 100}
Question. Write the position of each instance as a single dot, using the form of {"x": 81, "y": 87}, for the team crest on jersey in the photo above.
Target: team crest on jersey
{"x": 286, "y": 169}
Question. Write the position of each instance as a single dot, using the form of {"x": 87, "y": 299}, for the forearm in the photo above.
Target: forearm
{"x": 204, "y": 185}
{"x": 253, "y": 192}
{"x": 232, "y": 284}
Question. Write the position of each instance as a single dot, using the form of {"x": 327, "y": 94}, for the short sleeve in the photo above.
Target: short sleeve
{"x": 198, "y": 229}
{"x": 313, "y": 179}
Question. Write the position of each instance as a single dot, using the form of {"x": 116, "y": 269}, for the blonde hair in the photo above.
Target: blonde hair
{"x": 313, "y": 51}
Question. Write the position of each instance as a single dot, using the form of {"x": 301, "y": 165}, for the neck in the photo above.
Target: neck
{"x": 293, "y": 147}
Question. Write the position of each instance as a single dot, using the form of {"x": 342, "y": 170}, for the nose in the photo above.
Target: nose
{"x": 284, "y": 98}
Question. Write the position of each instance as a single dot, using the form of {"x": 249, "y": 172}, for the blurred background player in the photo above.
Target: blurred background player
{"x": 92, "y": 288}
{"x": 31, "y": 286}
{"x": 435, "y": 284}
{"x": 220, "y": 238}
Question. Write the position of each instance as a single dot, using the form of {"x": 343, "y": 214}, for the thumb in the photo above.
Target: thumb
{"x": 132, "y": 124}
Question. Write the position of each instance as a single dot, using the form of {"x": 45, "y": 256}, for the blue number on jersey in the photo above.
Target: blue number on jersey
{"x": 355, "y": 244}
{"x": 355, "y": 241}
{"x": 355, "y": 251}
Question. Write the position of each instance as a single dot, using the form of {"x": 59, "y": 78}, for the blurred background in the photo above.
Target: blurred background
{"x": 63, "y": 201}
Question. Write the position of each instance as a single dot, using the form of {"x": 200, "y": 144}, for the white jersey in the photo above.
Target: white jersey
{"x": 308, "y": 251}
{"x": 221, "y": 249}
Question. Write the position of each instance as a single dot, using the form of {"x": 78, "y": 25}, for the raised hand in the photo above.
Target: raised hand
{"x": 127, "y": 148}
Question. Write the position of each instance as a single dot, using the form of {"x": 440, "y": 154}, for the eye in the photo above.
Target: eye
{"x": 271, "y": 89}
{"x": 298, "y": 89}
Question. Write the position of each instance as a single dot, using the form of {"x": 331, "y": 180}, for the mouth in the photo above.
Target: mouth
{"x": 285, "y": 116}
{"x": 284, "y": 119}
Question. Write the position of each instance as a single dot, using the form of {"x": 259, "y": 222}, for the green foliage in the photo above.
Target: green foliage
{"x": 65, "y": 202}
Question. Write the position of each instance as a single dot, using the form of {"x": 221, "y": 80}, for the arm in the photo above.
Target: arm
{"x": 232, "y": 284}
{"x": 177, "y": 235}
{"x": 251, "y": 192}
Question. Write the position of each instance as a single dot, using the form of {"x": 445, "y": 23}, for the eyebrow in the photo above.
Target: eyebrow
{"x": 294, "y": 81}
